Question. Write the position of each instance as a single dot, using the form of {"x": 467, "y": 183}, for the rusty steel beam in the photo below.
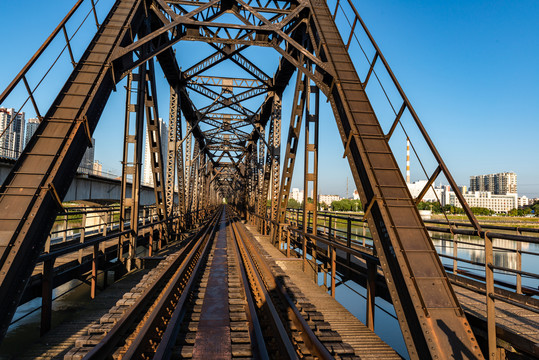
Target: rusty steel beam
{"x": 131, "y": 167}
{"x": 424, "y": 300}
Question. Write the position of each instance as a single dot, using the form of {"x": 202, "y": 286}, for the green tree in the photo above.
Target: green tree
{"x": 428, "y": 205}
{"x": 482, "y": 211}
{"x": 292, "y": 203}
{"x": 535, "y": 208}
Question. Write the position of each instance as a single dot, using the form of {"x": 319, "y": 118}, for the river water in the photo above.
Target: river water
{"x": 353, "y": 296}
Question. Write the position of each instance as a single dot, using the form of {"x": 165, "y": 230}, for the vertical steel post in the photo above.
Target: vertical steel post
{"x": 82, "y": 235}
{"x": 364, "y": 232}
{"x": 294, "y": 132}
{"x": 333, "y": 270}
{"x": 490, "y": 304}
{"x": 47, "y": 278}
{"x": 95, "y": 259}
{"x": 150, "y": 242}
{"x": 348, "y": 240}
{"x": 154, "y": 136}
{"x": 275, "y": 161}
{"x": 261, "y": 153}
{"x": 172, "y": 149}
{"x": 132, "y": 160}
{"x": 66, "y": 222}
{"x": 455, "y": 253}
{"x": 287, "y": 242}
{"x": 519, "y": 265}
{"x": 372, "y": 271}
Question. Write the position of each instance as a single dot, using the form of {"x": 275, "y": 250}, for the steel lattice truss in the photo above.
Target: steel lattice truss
{"x": 232, "y": 141}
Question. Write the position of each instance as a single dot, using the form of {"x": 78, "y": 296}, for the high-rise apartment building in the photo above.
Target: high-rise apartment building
{"x": 499, "y": 184}
{"x": 147, "y": 176}
{"x": 86, "y": 165}
{"x": 98, "y": 168}
{"x": 12, "y": 127}
{"x": 31, "y": 127}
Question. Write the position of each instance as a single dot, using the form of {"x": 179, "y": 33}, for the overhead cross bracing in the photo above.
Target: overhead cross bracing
{"x": 232, "y": 140}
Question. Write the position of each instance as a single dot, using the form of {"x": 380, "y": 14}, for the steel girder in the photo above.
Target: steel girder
{"x": 424, "y": 301}
{"x": 292, "y": 142}
{"x": 174, "y": 135}
{"x": 154, "y": 141}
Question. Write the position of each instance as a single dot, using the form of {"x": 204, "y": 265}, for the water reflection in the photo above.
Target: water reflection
{"x": 470, "y": 248}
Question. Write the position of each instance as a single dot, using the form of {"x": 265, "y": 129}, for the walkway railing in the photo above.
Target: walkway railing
{"x": 349, "y": 235}
{"x": 54, "y": 51}
{"x": 77, "y": 230}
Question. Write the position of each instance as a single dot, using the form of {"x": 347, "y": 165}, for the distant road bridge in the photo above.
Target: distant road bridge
{"x": 91, "y": 187}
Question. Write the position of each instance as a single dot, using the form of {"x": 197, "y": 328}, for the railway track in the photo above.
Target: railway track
{"x": 215, "y": 298}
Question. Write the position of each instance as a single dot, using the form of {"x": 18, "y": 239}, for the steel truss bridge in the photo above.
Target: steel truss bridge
{"x": 231, "y": 144}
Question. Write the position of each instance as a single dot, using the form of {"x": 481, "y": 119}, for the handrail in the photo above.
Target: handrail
{"x": 491, "y": 235}
{"x": 38, "y": 53}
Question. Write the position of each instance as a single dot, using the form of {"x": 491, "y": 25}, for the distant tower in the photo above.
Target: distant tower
{"x": 407, "y": 160}
{"x": 147, "y": 173}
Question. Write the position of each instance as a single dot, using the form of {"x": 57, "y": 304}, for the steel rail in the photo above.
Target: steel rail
{"x": 312, "y": 342}
{"x": 257, "y": 337}
{"x": 258, "y": 280}
{"x": 188, "y": 270}
{"x": 169, "y": 336}
{"x": 107, "y": 345}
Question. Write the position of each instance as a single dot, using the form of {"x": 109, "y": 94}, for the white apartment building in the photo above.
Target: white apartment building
{"x": 523, "y": 201}
{"x": 98, "y": 168}
{"x": 328, "y": 199}
{"x": 416, "y": 187}
{"x": 12, "y": 142}
{"x": 484, "y": 199}
{"x": 356, "y": 194}
{"x": 147, "y": 175}
{"x": 296, "y": 194}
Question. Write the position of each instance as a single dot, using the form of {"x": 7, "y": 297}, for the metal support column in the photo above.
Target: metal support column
{"x": 132, "y": 159}
{"x": 310, "y": 176}
{"x": 154, "y": 137}
{"x": 292, "y": 145}
{"x": 275, "y": 161}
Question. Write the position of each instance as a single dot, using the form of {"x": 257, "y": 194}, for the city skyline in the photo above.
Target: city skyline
{"x": 477, "y": 183}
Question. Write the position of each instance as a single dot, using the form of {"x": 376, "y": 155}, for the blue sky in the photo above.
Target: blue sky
{"x": 468, "y": 67}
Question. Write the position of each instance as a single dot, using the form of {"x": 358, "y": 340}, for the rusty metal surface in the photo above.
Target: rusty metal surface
{"x": 312, "y": 342}
{"x": 176, "y": 276}
{"x": 213, "y": 336}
